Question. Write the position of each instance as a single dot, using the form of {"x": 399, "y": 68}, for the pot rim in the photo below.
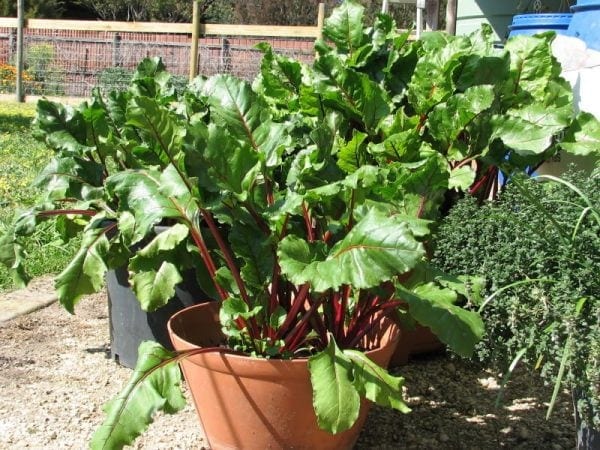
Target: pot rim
{"x": 391, "y": 329}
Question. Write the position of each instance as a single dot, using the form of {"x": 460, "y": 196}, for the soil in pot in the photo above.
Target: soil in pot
{"x": 254, "y": 403}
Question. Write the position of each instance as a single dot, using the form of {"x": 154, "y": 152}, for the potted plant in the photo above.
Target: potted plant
{"x": 309, "y": 197}
{"x": 326, "y": 180}
{"x": 91, "y": 144}
{"x": 538, "y": 248}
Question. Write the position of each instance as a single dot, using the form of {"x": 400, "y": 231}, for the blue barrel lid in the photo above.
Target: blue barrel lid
{"x": 541, "y": 20}
{"x": 586, "y": 4}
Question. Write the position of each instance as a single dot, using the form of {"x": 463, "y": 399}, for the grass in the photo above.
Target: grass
{"x": 21, "y": 158}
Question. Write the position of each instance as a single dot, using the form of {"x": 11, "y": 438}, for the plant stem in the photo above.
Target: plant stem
{"x": 64, "y": 212}
{"x": 208, "y": 261}
{"x": 212, "y": 226}
{"x": 297, "y": 305}
{"x": 367, "y": 324}
{"x": 308, "y": 222}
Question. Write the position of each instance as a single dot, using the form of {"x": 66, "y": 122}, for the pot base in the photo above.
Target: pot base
{"x": 254, "y": 403}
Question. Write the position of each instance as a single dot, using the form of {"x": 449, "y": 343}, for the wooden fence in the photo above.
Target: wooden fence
{"x": 65, "y": 57}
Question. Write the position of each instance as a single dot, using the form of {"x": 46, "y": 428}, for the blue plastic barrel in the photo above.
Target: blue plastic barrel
{"x": 530, "y": 24}
{"x": 586, "y": 22}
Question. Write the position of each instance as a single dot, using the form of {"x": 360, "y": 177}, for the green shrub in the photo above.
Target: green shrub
{"x": 46, "y": 78}
{"x": 517, "y": 238}
{"x": 114, "y": 79}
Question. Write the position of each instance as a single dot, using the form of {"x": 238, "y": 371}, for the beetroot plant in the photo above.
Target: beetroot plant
{"x": 305, "y": 200}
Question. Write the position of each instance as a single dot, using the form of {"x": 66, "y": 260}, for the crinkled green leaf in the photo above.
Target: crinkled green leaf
{"x": 434, "y": 307}
{"x": 461, "y": 178}
{"x": 158, "y": 127}
{"x": 583, "y": 136}
{"x": 254, "y": 248}
{"x": 155, "y": 287}
{"x": 154, "y": 386}
{"x": 375, "y": 250}
{"x": 433, "y": 79}
{"x": 375, "y": 383}
{"x": 531, "y": 66}
{"x": 530, "y": 130}
{"x": 352, "y": 93}
{"x": 352, "y": 154}
{"x": 449, "y": 119}
{"x": 139, "y": 194}
{"x": 72, "y": 177}
{"x": 335, "y": 398}
{"x": 153, "y": 273}
{"x": 246, "y": 116}
{"x": 85, "y": 273}
{"x": 281, "y": 78}
{"x": 345, "y": 26}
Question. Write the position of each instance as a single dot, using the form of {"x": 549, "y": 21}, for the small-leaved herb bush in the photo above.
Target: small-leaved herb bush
{"x": 538, "y": 249}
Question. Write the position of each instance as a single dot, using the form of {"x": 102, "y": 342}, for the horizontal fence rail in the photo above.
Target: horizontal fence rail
{"x": 71, "y": 57}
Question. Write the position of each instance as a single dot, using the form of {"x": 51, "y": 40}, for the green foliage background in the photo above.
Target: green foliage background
{"x": 512, "y": 240}
{"x": 21, "y": 159}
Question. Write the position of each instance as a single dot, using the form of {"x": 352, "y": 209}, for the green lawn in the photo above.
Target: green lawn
{"x": 21, "y": 159}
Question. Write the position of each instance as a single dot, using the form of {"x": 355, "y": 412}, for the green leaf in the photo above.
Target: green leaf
{"x": 12, "y": 255}
{"x": 434, "y": 307}
{"x": 281, "y": 78}
{"x": 335, "y": 399}
{"x": 531, "y": 66}
{"x": 139, "y": 193}
{"x": 377, "y": 249}
{"x": 158, "y": 127}
{"x": 155, "y": 287}
{"x": 71, "y": 177}
{"x": 225, "y": 163}
{"x": 345, "y": 26}
{"x": 85, "y": 273}
{"x": 433, "y": 79}
{"x": 375, "y": 383}
{"x": 247, "y": 116}
{"x": 62, "y": 127}
{"x": 449, "y": 119}
{"x": 353, "y": 93}
{"x": 583, "y": 136}
{"x": 352, "y": 155}
{"x": 153, "y": 272}
{"x": 154, "y": 386}
{"x": 530, "y": 130}
{"x": 461, "y": 178}
{"x": 255, "y": 249}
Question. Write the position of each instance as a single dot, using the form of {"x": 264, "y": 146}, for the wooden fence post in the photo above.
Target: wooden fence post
{"x": 451, "y": 8}
{"x": 116, "y": 53}
{"x": 432, "y": 13}
{"x": 20, "y": 61}
{"x": 194, "y": 58}
{"x": 321, "y": 19}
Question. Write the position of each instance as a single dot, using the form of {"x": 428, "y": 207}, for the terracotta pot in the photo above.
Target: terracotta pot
{"x": 251, "y": 403}
{"x": 414, "y": 342}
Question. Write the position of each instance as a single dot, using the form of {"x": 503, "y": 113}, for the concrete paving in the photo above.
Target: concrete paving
{"x": 39, "y": 294}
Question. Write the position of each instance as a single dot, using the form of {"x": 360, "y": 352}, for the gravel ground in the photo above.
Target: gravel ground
{"x": 55, "y": 374}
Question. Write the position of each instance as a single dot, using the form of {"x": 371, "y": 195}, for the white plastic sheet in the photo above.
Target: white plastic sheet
{"x": 581, "y": 67}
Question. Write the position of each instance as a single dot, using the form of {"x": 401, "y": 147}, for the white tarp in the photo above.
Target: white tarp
{"x": 581, "y": 67}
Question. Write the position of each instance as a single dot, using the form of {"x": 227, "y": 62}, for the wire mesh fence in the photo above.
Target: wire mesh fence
{"x": 61, "y": 62}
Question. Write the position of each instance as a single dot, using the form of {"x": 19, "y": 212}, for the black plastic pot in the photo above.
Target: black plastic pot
{"x": 130, "y": 324}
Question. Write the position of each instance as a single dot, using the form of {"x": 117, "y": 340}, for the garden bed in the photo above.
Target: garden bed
{"x": 55, "y": 375}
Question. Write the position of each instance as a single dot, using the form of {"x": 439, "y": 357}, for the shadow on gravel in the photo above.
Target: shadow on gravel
{"x": 453, "y": 407}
